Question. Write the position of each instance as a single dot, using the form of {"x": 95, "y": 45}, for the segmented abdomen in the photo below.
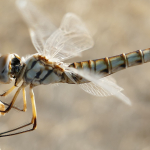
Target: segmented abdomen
{"x": 109, "y": 65}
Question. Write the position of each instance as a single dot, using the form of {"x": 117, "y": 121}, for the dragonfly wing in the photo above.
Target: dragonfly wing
{"x": 104, "y": 87}
{"x": 39, "y": 26}
{"x": 69, "y": 40}
{"x": 98, "y": 89}
{"x": 98, "y": 86}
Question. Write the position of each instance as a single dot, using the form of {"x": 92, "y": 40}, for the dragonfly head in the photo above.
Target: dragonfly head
{"x": 15, "y": 65}
{"x": 9, "y": 66}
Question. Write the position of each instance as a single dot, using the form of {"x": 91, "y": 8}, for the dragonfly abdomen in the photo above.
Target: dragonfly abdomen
{"x": 110, "y": 65}
{"x": 124, "y": 61}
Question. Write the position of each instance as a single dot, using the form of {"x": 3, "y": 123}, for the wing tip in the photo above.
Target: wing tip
{"x": 122, "y": 97}
{"x": 129, "y": 103}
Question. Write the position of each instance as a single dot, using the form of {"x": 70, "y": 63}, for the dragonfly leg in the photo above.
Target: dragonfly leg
{"x": 24, "y": 99}
{"x": 12, "y": 106}
{"x": 13, "y": 100}
{"x": 6, "y": 93}
{"x": 9, "y": 91}
{"x": 33, "y": 120}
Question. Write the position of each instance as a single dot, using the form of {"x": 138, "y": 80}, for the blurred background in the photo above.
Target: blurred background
{"x": 67, "y": 117}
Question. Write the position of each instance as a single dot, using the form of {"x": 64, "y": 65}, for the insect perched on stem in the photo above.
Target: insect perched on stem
{"x": 46, "y": 67}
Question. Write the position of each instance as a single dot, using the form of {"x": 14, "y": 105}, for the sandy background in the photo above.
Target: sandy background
{"x": 69, "y": 118}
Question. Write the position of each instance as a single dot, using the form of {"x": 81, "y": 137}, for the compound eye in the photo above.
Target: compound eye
{"x": 15, "y": 61}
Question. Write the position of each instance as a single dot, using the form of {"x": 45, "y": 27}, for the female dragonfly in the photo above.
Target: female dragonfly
{"x": 46, "y": 67}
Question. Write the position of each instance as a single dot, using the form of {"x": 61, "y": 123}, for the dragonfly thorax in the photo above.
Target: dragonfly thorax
{"x": 42, "y": 71}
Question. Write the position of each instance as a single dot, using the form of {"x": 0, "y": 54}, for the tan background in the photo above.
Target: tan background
{"x": 69, "y": 118}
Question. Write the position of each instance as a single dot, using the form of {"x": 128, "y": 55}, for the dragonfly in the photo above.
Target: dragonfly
{"x": 54, "y": 46}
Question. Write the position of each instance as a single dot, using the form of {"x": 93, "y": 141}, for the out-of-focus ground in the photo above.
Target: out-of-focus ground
{"x": 69, "y": 118}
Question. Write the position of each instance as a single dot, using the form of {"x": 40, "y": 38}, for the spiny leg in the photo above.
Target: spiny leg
{"x": 6, "y": 93}
{"x": 12, "y": 106}
{"x": 13, "y": 100}
{"x": 24, "y": 101}
{"x": 9, "y": 91}
{"x": 33, "y": 120}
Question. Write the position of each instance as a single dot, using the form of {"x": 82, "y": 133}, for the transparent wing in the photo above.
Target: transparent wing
{"x": 69, "y": 40}
{"x": 98, "y": 86}
{"x": 39, "y": 26}
{"x": 99, "y": 90}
